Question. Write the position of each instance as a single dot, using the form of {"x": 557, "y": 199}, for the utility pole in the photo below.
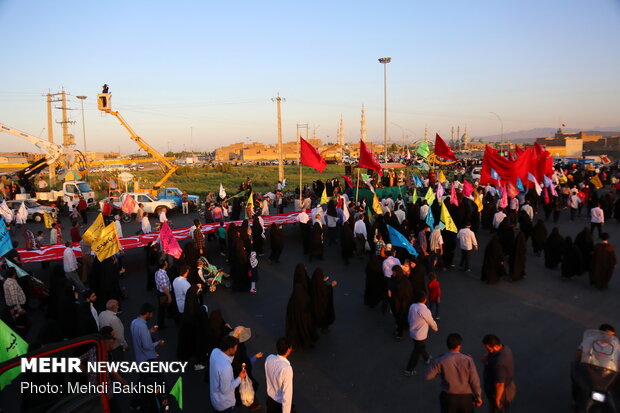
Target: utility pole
{"x": 426, "y": 135}
{"x": 280, "y": 154}
{"x": 50, "y": 137}
{"x": 67, "y": 138}
{"x": 385, "y": 61}
{"x": 363, "y": 125}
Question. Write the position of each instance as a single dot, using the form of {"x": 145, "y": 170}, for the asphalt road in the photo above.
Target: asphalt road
{"x": 358, "y": 366}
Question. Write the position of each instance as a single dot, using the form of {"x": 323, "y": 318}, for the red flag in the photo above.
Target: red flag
{"x": 504, "y": 201}
{"x": 546, "y": 195}
{"x": 518, "y": 150}
{"x": 508, "y": 170}
{"x": 512, "y": 190}
{"x": 347, "y": 180}
{"x": 368, "y": 160}
{"x": 442, "y": 149}
{"x": 453, "y": 199}
{"x": 309, "y": 156}
{"x": 129, "y": 205}
{"x": 468, "y": 188}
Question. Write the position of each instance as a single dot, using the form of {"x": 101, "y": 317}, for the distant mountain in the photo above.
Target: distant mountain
{"x": 528, "y": 136}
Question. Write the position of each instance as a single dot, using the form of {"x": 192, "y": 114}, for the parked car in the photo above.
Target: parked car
{"x": 152, "y": 205}
{"x": 475, "y": 173}
{"x": 175, "y": 194}
{"x": 35, "y": 210}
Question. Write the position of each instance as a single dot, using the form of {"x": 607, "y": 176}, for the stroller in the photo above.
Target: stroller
{"x": 211, "y": 275}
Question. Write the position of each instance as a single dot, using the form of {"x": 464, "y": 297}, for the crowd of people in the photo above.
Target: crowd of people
{"x": 402, "y": 277}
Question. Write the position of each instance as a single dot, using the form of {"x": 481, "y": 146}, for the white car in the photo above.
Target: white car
{"x": 35, "y": 210}
{"x": 152, "y": 205}
{"x": 475, "y": 173}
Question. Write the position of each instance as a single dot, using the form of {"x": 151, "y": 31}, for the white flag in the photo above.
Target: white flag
{"x": 6, "y": 212}
{"x": 222, "y": 192}
{"x": 22, "y": 214}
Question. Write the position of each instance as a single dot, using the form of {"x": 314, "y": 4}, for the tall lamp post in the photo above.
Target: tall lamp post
{"x": 501, "y": 122}
{"x": 385, "y": 61}
{"x": 82, "y": 98}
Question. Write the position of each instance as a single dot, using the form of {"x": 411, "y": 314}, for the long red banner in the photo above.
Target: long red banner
{"x": 55, "y": 252}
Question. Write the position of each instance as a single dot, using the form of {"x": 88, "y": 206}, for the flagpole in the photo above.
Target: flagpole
{"x": 357, "y": 187}
{"x": 300, "y": 187}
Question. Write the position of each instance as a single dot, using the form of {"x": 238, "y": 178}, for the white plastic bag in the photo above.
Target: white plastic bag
{"x": 246, "y": 391}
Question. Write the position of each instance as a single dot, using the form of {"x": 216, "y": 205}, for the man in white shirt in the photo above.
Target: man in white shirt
{"x": 420, "y": 319}
{"x": 145, "y": 224}
{"x": 597, "y": 219}
{"x": 162, "y": 215}
{"x": 390, "y": 261}
{"x": 54, "y": 234}
{"x": 70, "y": 265}
{"x": 108, "y": 317}
{"x": 42, "y": 184}
{"x": 222, "y": 383}
{"x": 528, "y": 209}
{"x": 423, "y": 210}
{"x": 360, "y": 234}
{"x": 279, "y": 378}
{"x": 303, "y": 217}
{"x": 498, "y": 217}
{"x": 117, "y": 224}
{"x": 180, "y": 285}
{"x": 400, "y": 214}
{"x": 468, "y": 242}
{"x": 573, "y": 204}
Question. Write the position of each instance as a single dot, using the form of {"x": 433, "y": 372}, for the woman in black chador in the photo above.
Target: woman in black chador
{"x": 322, "y": 300}
{"x": 517, "y": 257}
{"x": 554, "y": 246}
{"x": 572, "y": 264}
{"x": 299, "y": 326}
{"x": 401, "y": 297}
{"x": 276, "y": 240}
{"x": 257, "y": 235}
{"x": 316, "y": 241}
{"x": 187, "y": 345}
{"x": 493, "y": 264}
{"x": 239, "y": 267}
{"x": 539, "y": 235}
{"x": 376, "y": 283}
{"x": 300, "y": 276}
{"x": 585, "y": 244}
{"x": 347, "y": 243}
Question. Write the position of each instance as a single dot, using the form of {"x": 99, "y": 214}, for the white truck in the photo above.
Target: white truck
{"x": 69, "y": 194}
{"x": 151, "y": 204}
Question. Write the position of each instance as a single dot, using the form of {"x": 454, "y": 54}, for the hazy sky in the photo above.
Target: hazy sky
{"x": 210, "y": 68}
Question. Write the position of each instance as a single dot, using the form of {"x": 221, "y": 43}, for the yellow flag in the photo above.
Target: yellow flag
{"x": 430, "y": 196}
{"x": 107, "y": 244}
{"x": 47, "y": 220}
{"x": 441, "y": 177}
{"x": 376, "y": 205}
{"x": 447, "y": 219}
{"x": 414, "y": 199}
{"x": 324, "y": 199}
{"x": 251, "y": 200}
{"x": 597, "y": 182}
{"x": 93, "y": 232}
{"x": 477, "y": 200}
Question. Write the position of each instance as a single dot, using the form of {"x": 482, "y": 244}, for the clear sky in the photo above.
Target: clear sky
{"x": 208, "y": 69}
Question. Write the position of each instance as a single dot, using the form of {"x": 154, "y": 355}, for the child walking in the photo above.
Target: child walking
{"x": 253, "y": 271}
{"x": 434, "y": 295}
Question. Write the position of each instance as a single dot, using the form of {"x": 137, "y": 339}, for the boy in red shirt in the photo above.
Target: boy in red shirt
{"x": 434, "y": 295}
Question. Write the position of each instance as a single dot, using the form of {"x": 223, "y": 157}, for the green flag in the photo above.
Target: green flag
{"x": 430, "y": 196}
{"x": 370, "y": 219}
{"x": 11, "y": 346}
{"x": 365, "y": 177}
{"x": 423, "y": 149}
{"x": 177, "y": 392}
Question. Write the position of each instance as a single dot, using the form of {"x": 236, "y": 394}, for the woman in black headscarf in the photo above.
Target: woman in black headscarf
{"x": 61, "y": 303}
{"x": 236, "y": 209}
{"x": 417, "y": 276}
{"x": 506, "y": 235}
{"x": 257, "y": 235}
{"x": 347, "y": 242}
{"x": 299, "y": 326}
{"x": 322, "y": 300}
{"x": 401, "y": 297}
{"x": 553, "y": 249}
{"x": 245, "y": 235}
{"x": 239, "y": 267}
{"x": 585, "y": 244}
{"x": 449, "y": 246}
{"x": 331, "y": 218}
{"x": 187, "y": 343}
{"x": 376, "y": 283}
{"x": 190, "y": 257}
{"x": 493, "y": 264}
{"x": 300, "y": 276}
{"x": 525, "y": 224}
{"x": 152, "y": 261}
{"x": 219, "y": 327}
{"x": 539, "y": 235}
{"x": 316, "y": 241}
{"x": 516, "y": 261}
{"x": 276, "y": 239}
{"x": 572, "y": 264}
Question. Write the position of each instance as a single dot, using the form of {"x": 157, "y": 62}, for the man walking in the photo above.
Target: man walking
{"x": 279, "y": 378}
{"x": 70, "y": 266}
{"x": 468, "y": 242}
{"x": 222, "y": 383}
{"x": 420, "y": 319}
{"x": 597, "y": 219}
{"x": 109, "y": 318}
{"x": 498, "y": 374}
{"x": 460, "y": 384}
{"x": 162, "y": 284}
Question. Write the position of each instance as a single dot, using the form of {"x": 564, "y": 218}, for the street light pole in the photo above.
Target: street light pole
{"x": 502, "y": 126}
{"x": 82, "y": 98}
{"x": 385, "y": 61}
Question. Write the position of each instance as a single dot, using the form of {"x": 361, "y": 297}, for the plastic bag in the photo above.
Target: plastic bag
{"x": 246, "y": 391}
